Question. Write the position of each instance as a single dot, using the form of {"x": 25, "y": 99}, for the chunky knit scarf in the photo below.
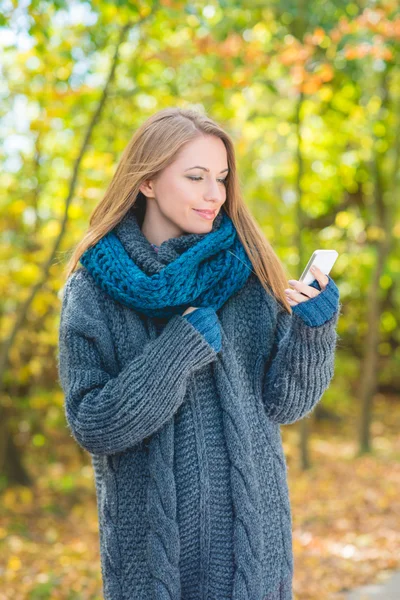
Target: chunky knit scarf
{"x": 206, "y": 271}
{"x": 192, "y": 270}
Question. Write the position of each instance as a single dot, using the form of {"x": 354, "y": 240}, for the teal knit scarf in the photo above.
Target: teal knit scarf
{"x": 207, "y": 270}
{"x": 192, "y": 270}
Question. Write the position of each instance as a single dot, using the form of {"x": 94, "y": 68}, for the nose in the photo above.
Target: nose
{"x": 214, "y": 192}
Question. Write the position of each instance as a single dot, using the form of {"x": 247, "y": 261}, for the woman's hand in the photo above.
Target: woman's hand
{"x": 303, "y": 292}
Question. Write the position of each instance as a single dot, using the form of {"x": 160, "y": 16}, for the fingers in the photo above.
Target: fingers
{"x": 291, "y": 302}
{"x": 298, "y": 296}
{"x": 302, "y": 291}
{"x": 294, "y": 297}
{"x": 322, "y": 279}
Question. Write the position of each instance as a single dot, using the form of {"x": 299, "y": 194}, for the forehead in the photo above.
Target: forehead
{"x": 207, "y": 151}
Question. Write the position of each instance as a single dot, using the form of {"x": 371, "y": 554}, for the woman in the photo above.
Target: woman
{"x": 180, "y": 355}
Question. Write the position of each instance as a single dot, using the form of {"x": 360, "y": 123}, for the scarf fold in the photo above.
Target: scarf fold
{"x": 192, "y": 270}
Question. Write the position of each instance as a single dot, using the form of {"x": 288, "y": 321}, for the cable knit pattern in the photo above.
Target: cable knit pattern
{"x": 126, "y": 376}
{"x": 163, "y": 539}
{"x": 248, "y": 538}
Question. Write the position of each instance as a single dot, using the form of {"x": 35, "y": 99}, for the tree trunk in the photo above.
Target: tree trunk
{"x": 383, "y": 221}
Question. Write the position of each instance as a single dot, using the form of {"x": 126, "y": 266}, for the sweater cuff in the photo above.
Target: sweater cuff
{"x": 206, "y": 321}
{"x": 317, "y": 311}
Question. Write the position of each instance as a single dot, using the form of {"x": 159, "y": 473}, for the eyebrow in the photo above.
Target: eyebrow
{"x": 204, "y": 169}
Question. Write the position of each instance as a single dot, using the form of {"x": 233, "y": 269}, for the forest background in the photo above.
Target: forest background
{"x": 310, "y": 93}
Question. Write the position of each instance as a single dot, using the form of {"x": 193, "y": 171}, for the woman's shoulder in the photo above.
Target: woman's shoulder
{"x": 80, "y": 293}
{"x": 76, "y": 280}
{"x": 80, "y": 283}
{"x": 83, "y": 299}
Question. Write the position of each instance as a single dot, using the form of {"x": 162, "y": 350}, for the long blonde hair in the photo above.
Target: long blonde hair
{"x": 152, "y": 148}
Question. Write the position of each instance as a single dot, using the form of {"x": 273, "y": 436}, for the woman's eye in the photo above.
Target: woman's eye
{"x": 223, "y": 181}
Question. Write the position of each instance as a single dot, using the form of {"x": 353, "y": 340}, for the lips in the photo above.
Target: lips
{"x": 209, "y": 215}
{"x": 205, "y": 212}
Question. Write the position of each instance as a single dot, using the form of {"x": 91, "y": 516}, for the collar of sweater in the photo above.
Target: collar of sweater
{"x": 140, "y": 250}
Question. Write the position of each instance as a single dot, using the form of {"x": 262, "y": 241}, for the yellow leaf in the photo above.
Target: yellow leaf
{"x": 14, "y": 563}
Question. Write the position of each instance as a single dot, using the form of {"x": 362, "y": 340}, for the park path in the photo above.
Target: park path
{"x": 386, "y": 590}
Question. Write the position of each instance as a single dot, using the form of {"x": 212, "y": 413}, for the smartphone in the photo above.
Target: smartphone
{"x": 323, "y": 259}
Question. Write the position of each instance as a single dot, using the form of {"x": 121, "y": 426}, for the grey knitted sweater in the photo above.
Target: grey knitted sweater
{"x": 125, "y": 377}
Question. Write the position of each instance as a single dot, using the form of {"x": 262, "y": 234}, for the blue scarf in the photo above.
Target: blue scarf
{"x": 206, "y": 270}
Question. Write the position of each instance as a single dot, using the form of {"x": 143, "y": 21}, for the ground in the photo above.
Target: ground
{"x": 346, "y": 515}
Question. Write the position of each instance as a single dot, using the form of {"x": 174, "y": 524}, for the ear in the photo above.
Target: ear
{"x": 147, "y": 188}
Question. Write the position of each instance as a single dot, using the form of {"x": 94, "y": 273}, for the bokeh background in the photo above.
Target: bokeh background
{"x": 310, "y": 93}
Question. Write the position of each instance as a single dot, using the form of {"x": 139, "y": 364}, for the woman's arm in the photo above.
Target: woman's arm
{"x": 301, "y": 365}
{"x": 108, "y": 413}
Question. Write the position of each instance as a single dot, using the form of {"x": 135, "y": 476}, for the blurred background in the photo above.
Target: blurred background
{"x": 310, "y": 93}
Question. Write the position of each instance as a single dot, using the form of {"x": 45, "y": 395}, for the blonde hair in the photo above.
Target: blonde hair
{"x": 152, "y": 148}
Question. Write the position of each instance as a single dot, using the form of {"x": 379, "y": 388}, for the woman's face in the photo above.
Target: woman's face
{"x": 195, "y": 180}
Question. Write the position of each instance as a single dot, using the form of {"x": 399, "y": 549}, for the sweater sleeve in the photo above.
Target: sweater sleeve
{"x": 205, "y": 320}
{"x": 301, "y": 365}
{"x": 108, "y": 409}
{"x": 318, "y": 310}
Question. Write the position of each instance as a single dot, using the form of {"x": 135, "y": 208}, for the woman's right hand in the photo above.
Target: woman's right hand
{"x": 189, "y": 310}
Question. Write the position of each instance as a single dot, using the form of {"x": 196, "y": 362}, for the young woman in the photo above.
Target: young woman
{"x": 180, "y": 355}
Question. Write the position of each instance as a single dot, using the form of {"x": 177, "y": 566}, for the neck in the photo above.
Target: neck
{"x": 158, "y": 229}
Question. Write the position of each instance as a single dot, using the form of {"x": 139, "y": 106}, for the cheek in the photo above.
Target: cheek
{"x": 187, "y": 194}
{"x": 182, "y": 188}
{"x": 179, "y": 198}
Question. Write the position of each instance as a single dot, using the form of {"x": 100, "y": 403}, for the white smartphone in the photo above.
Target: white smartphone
{"x": 323, "y": 259}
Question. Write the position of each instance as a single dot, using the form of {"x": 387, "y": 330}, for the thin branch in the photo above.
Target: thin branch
{"x": 24, "y": 307}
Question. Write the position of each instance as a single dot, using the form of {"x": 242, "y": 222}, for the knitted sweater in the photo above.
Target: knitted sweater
{"x": 120, "y": 388}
